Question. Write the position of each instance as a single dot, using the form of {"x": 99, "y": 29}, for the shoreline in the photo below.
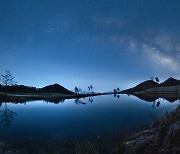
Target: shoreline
{"x": 17, "y": 97}
{"x": 25, "y": 97}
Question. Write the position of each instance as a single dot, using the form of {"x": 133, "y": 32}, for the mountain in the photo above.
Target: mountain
{"x": 170, "y": 82}
{"x": 55, "y": 88}
{"x": 18, "y": 89}
{"x": 151, "y": 84}
{"x": 142, "y": 86}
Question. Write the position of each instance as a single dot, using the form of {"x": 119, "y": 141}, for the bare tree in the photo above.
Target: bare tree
{"x": 76, "y": 89}
{"x": 90, "y": 88}
{"x": 7, "y": 78}
{"x": 118, "y": 90}
{"x": 156, "y": 79}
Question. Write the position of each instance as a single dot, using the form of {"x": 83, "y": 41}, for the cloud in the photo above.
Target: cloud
{"x": 159, "y": 59}
{"x": 161, "y": 52}
{"x": 159, "y": 46}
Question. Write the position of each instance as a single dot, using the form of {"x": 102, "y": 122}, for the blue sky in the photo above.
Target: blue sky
{"x": 106, "y": 43}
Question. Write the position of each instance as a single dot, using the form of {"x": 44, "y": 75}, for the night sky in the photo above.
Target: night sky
{"x": 106, "y": 43}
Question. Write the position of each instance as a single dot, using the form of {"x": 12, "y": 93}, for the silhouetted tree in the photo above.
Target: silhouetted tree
{"x": 115, "y": 91}
{"x": 76, "y": 89}
{"x": 7, "y": 78}
{"x": 90, "y": 88}
{"x": 118, "y": 89}
{"x": 156, "y": 79}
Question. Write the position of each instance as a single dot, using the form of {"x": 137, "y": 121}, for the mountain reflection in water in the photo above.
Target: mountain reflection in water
{"x": 82, "y": 118}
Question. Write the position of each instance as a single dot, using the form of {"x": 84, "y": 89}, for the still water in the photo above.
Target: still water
{"x": 79, "y": 119}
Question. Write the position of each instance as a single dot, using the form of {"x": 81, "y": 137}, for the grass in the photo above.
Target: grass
{"x": 162, "y": 137}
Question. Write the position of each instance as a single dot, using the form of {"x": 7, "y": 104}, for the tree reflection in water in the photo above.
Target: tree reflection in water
{"x": 117, "y": 95}
{"x": 6, "y": 116}
{"x": 78, "y": 101}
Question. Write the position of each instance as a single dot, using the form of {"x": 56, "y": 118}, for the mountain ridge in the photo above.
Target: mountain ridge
{"x": 145, "y": 85}
{"x": 54, "y": 88}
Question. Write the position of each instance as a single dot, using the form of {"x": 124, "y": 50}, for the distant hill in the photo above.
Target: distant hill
{"x": 151, "y": 84}
{"x": 142, "y": 86}
{"x": 170, "y": 82}
{"x": 55, "y": 88}
{"x": 18, "y": 89}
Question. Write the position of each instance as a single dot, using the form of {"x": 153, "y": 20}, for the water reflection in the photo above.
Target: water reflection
{"x": 6, "y": 116}
{"x": 117, "y": 95}
{"x": 158, "y": 103}
{"x": 150, "y": 97}
{"x": 82, "y": 117}
{"x": 153, "y": 104}
{"x": 78, "y": 101}
{"x": 55, "y": 101}
{"x": 145, "y": 97}
{"x": 90, "y": 99}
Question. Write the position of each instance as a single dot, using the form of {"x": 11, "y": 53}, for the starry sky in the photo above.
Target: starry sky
{"x": 106, "y": 43}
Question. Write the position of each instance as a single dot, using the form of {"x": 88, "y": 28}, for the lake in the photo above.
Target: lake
{"x": 88, "y": 118}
